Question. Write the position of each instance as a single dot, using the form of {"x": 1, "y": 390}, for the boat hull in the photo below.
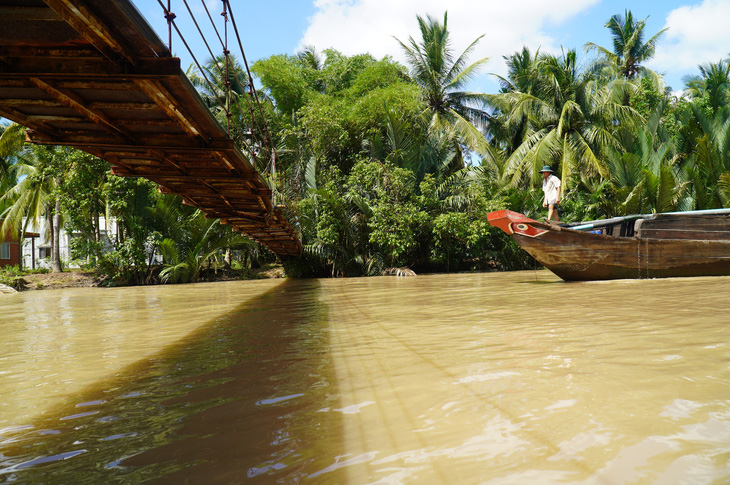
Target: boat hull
{"x": 580, "y": 255}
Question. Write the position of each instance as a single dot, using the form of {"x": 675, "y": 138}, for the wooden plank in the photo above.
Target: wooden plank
{"x": 157, "y": 92}
{"x": 13, "y": 83}
{"x": 28, "y": 13}
{"x": 50, "y": 118}
{"x": 199, "y": 191}
{"x": 109, "y": 85}
{"x": 82, "y": 140}
{"x": 78, "y": 104}
{"x": 148, "y": 122}
{"x": 150, "y": 68}
{"x": 49, "y": 53}
{"x": 23, "y": 103}
{"x": 88, "y": 24}
{"x": 122, "y": 106}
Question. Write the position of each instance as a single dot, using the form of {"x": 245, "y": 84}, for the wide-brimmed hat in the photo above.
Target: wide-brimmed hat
{"x": 546, "y": 168}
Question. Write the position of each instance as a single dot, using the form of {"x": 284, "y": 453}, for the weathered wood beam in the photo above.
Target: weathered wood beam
{"x": 13, "y": 83}
{"x": 140, "y": 162}
{"x": 51, "y": 118}
{"x": 78, "y": 104}
{"x": 151, "y": 68}
{"x": 28, "y": 13}
{"x": 197, "y": 162}
{"x": 235, "y": 161}
{"x": 165, "y": 157}
{"x": 238, "y": 216}
{"x": 165, "y": 101}
{"x": 123, "y": 106}
{"x": 151, "y": 141}
{"x": 195, "y": 175}
{"x": 201, "y": 192}
{"x": 19, "y": 103}
{"x": 86, "y": 23}
{"x": 120, "y": 153}
{"x": 25, "y": 120}
{"x": 69, "y": 52}
{"x": 110, "y": 85}
{"x": 148, "y": 122}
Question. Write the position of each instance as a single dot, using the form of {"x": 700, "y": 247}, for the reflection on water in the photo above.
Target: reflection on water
{"x": 486, "y": 378}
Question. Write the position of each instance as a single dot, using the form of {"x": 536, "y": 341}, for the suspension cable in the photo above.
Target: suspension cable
{"x": 267, "y": 138}
{"x": 202, "y": 36}
{"x": 226, "y": 53}
{"x": 172, "y": 22}
{"x": 258, "y": 123}
{"x": 215, "y": 28}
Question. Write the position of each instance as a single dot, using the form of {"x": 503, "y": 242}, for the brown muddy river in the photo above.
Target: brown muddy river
{"x": 496, "y": 378}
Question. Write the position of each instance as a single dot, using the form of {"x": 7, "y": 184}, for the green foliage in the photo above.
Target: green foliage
{"x": 82, "y": 199}
{"x": 125, "y": 265}
{"x": 712, "y": 85}
{"x": 12, "y": 276}
{"x": 287, "y": 80}
{"x": 646, "y": 98}
{"x": 399, "y": 231}
{"x": 188, "y": 242}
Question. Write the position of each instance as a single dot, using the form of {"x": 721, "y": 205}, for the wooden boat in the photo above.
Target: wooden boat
{"x": 694, "y": 243}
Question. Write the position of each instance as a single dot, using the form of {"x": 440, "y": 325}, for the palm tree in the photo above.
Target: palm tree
{"x": 712, "y": 83}
{"x": 37, "y": 173}
{"x": 567, "y": 121}
{"x": 629, "y": 49}
{"x": 225, "y": 88}
{"x": 310, "y": 58}
{"x": 341, "y": 239}
{"x": 220, "y": 77}
{"x": 643, "y": 179}
{"x": 442, "y": 79}
{"x": 11, "y": 144}
{"x": 707, "y": 168}
{"x": 522, "y": 72}
{"x": 413, "y": 147}
{"x": 193, "y": 241}
{"x": 523, "y": 76}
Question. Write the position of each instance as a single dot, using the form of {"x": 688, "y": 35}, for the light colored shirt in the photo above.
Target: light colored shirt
{"x": 551, "y": 187}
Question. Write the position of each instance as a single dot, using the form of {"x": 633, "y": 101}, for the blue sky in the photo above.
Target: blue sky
{"x": 697, "y": 30}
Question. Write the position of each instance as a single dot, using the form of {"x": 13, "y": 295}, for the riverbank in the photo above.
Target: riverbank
{"x": 82, "y": 279}
{"x": 50, "y": 281}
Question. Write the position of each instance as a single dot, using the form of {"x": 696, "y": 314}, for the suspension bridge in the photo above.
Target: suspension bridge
{"x": 92, "y": 74}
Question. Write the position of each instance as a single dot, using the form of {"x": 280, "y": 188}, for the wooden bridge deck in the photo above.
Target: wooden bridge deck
{"x": 92, "y": 74}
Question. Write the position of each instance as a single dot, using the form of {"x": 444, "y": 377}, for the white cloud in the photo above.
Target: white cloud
{"x": 697, "y": 34}
{"x": 369, "y": 26}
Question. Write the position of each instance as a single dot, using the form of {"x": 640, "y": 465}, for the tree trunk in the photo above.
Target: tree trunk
{"x": 227, "y": 259}
{"x": 56, "y": 239}
{"x": 97, "y": 237}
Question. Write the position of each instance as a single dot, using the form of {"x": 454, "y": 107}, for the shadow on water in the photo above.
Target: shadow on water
{"x": 237, "y": 399}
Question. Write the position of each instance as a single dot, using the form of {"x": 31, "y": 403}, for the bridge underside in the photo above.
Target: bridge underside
{"x": 92, "y": 74}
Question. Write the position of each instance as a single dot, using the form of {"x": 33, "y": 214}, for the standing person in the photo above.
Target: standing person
{"x": 551, "y": 187}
